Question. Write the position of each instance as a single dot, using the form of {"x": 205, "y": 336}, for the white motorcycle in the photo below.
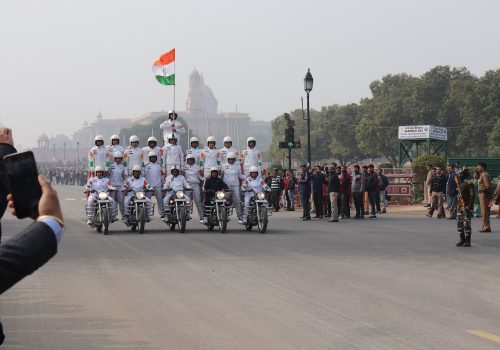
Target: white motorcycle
{"x": 218, "y": 211}
{"x": 178, "y": 211}
{"x": 102, "y": 213}
{"x": 138, "y": 212}
{"x": 258, "y": 212}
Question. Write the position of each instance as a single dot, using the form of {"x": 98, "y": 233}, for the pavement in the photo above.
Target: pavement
{"x": 397, "y": 282}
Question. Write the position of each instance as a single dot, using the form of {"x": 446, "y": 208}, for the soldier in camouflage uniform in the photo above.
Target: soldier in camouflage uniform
{"x": 465, "y": 210}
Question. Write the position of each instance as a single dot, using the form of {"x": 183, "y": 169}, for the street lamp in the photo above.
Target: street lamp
{"x": 308, "y": 86}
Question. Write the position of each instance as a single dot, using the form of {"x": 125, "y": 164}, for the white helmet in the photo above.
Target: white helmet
{"x": 189, "y": 156}
{"x": 227, "y": 139}
{"x": 152, "y": 154}
{"x": 171, "y": 136}
{"x": 251, "y": 138}
{"x": 172, "y": 112}
{"x": 231, "y": 155}
{"x": 99, "y": 138}
{"x": 133, "y": 138}
{"x": 194, "y": 139}
{"x": 117, "y": 154}
{"x": 253, "y": 169}
{"x": 114, "y": 137}
{"x": 99, "y": 168}
{"x": 210, "y": 139}
{"x": 137, "y": 168}
{"x": 152, "y": 139}
{"x": 214, "y": 169}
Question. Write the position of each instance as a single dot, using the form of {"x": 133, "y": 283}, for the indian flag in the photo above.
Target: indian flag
{"x": 164, "y": 68}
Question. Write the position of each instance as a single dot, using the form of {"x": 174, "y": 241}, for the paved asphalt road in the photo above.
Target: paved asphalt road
{"x": 395, "y": 283}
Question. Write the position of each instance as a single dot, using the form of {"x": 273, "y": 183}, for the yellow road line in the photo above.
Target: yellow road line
{"x": 485, "y": 335}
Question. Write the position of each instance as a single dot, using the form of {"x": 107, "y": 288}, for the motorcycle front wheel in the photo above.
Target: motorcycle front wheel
{"x": 142, "y": 219}
{"x": 223, "y": 220}
{"x": 182, "y": 223}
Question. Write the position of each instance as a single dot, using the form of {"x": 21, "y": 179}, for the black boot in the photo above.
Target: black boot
{"x": 467, "y": 241}
{"x": 462, "y": 240}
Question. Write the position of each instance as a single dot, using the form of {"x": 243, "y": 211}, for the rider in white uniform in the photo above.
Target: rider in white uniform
{"x": 195, "y": 150}
{"x": 252, "y": 185}
{"x": 135, "y": 183}
{"x": 98, "y": 155}
{"x": 173, "y": 183}
{"x": 228, "y": 148}
{"x": 97, "y": 184}
{"x": 172, "y": 126}
{"x": 209, "y": 157}
{"x": 133, "y": 154}
{"x": 152, "y": 146}
{"x": 153, "y": 172}
{"x": 251, "y": 157}
{"x": 192, "y": 175}
{"x": 117, "y": 175}
{"x": 114, "y": 146}
{"x": 232, "y": 176}
{"x": 172, "y": 154}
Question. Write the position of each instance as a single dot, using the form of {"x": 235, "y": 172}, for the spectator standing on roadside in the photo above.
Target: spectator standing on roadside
{"x": 292, "y": 181}
{"x": 372, "y": 189}
{"x": 475, "y": 182}
{"x": 438, "y": 187}
{"x": 318, "y": 178}
{"x": 345, "y": 193}
{"x": 305, "y": 192}
{"x": 427, "y": 186}
{"x": 451, "y": 191}
{"x": 333, "y": 193}
{"x": 383, "y": 183}
{"x": 357, "y": 189}
{"x": 275, "y": 185}
{"x": 366, "y": 201}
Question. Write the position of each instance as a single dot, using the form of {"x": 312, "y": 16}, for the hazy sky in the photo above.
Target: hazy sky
{"x": 62, "y": 62}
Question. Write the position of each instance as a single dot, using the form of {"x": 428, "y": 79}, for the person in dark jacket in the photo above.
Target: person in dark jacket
{"x": 345, "y": 193}
{"x": 305, "y": 191}
{"x": 333, "y": 193}
{"x": 382, "y": 183}
{"x": 212, "y": 185}
{"x": 451, "y": 191}
{"x": 24, "y": 253}
{"x": 318, "y": 179}
{"x": 438, "y": 187}
{"x": 372, "y": 189}
{"x": 357, "y": 189}
{"x": 275, "y": 185}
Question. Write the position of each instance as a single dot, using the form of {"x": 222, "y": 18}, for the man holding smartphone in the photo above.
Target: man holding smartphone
{"x": 24, "y": 253}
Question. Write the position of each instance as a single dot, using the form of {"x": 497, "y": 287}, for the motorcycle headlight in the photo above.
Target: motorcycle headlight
{"x": 179, "y": 194}
{"x": 261, "y": 195}
{"x": 220, "y": 195}
{"x": 103, "y": 196}
{"x": 139, "y": 195}
{"x": 171, "y": 202}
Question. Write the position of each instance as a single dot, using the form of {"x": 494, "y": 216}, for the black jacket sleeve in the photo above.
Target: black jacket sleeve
{"x": 26, "y": 252}
{"x": 4, "y": 150}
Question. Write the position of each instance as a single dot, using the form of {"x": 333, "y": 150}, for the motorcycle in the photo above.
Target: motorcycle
{"x": 178, "y": 211}
{"x": 258, "y": 212}
{"x": 102, "y": 212}
{"x": 138, "y": 212}
{"x": 218, "y": 211}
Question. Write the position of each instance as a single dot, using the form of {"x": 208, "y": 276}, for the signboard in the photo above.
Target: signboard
{"x": 418, "y": 132}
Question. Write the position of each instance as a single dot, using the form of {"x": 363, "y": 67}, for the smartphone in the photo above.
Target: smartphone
{"x": 22, "y": 179}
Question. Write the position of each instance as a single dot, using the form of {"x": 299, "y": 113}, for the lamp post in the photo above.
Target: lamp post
{"x": 308, "y": 86}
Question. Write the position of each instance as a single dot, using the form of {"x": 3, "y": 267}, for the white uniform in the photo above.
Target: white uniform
{"x": 153, "y": 172}
{"x": 113, "y": 148}
{"x": 168, "y": 127}
{"x": 145, "y": 154}
{"x": 117, "y": 175}
{"x": 192, "y": 175}
{"x": 172, "y": 155}
{"x": 250, "y": 184}
{"x": 224, "y": 151}
{"x": 231, "y": 175}
{"x": 94, "y": 186}
{"x": 196, "y": 153}
{"x": 131, "y": 157}
{"x": 177, "y": 183}
{"x": 209, "y": 157}
{"x": 132, "y": 185}
{"x": 251, "y": 157}
{"x": 98, "y": 155}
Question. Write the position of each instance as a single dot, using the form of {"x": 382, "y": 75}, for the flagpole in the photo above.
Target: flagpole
{"x": 174, "y": 87}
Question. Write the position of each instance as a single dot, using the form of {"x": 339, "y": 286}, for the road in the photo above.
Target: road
{"x": 397, "y": 282}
